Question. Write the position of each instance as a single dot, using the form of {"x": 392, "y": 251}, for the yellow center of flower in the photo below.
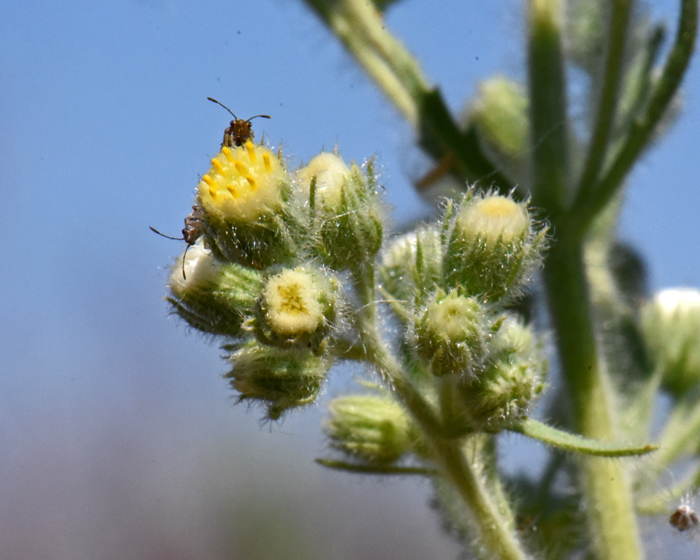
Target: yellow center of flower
{"x": 243, "y": 183}
{"x": 492, "y": 219}
{"x": 292, "y": 302}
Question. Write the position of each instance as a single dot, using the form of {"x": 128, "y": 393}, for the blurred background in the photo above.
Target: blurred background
{"x": 118, "y": 437}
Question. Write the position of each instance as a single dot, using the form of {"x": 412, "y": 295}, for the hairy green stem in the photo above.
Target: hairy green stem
{"x": 495, "y": 534}
{"x": 642, "y": 129}
{"x": 611, "y": 517}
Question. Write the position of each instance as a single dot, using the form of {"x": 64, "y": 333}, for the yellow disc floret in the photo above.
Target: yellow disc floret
{"x": 243, "y": 183}
{"x": 292, "y": 301}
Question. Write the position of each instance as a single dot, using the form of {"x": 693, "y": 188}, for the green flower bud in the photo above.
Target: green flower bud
{"x": 248, "y": 211}
{"x": 412, "y": 266}
{"x": 346, "y": 210}
{"x": 493, "y": 247}
{"x": 500, "y": 115}
{"x": 297, "y": 307}
{"x": 511, "y": 380}
{"x": 452, "y": 334}
{"x": 671, "y": 327}
{"x": 372, "y": 429}
{"x": 279, "y": 379}
{"x": 211, "y": 296}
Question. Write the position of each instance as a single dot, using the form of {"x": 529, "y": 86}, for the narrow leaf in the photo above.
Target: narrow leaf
{"x": 572, "y": 442}
{"x": 375, "y": 469}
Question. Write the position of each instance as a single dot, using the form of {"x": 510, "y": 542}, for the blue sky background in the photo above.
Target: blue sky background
{"x": 118, "y": 437}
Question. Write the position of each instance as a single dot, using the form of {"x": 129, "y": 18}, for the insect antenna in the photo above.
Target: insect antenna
{"x": 154, "y": 230}
{"x": 224, "y": 106}
{"x": 256, "y": 116}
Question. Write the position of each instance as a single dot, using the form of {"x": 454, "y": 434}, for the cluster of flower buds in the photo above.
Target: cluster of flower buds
{"x": 452, "y": 282}
{"x": 261, "y": 265}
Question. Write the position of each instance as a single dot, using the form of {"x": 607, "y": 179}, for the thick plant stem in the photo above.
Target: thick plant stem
{"x": 611, "y": 517}
{"x": 610, "y": 512}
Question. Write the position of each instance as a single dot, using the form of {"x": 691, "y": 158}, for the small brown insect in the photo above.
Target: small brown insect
{"x": 683, "y": 518}
{"x": 239, "y": 130}
{"x": 193, "y": 230}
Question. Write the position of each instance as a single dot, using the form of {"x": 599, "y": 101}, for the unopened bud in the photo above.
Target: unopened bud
{"x": 372, "y": 429}
{"x": 211, "y": 296}
{"x": 346, "y": 210}
{"x": 500, "y": 115}
{"x": 279, "y": 379}
{"x": 412, "y": 266}
{"x": 493, "y": 247}
{"x": 671, "y": 326}
{"x": 452, "y": 334}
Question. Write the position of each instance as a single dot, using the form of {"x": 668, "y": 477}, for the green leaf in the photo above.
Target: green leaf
{"x": 375, "y": 469}
{"x": 572, "y": 442}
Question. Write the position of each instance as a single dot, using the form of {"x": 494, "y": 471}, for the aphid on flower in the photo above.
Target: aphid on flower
{"x": 683, "y": 518}
{"x": 193, "y": 230}
{"x": 239, "y": 130}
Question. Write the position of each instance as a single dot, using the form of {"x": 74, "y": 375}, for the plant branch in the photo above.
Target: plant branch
{"x": 494, "y": 533}
{"x": 680, "y": 435}
{"x": 493, "y": 527}
{"x": 608, "y": 102}
{"x": 642, "y": 129}
{"x": 360, "y": 27}
{"x": 547, "y": 84}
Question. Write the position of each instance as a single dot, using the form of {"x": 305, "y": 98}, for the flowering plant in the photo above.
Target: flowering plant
{"x": 293, "y": 271}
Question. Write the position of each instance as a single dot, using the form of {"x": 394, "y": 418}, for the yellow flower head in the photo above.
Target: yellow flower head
{"x": 243, "y": 183}
{"x": 293, "y": 303}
